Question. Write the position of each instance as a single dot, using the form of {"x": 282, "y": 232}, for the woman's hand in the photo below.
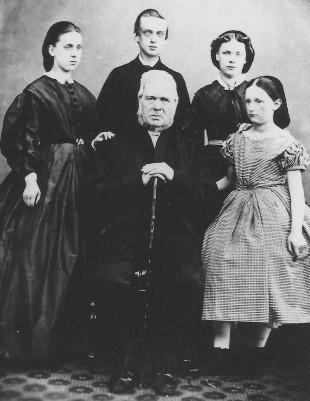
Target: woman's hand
{"x": 295, "y": 243}
{"x": 32, "y": 193}
{"x": 103, "y": 136}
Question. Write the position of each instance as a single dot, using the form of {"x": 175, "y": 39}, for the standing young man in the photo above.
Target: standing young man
{"x": 117, "y": 102}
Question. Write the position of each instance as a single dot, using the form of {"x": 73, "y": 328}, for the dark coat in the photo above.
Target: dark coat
{"x": 117, "y": 103}
{"x": 121, "y": 206}
{"x": 119, "y": 222}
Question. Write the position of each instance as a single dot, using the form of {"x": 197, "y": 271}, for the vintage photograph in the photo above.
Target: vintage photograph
{"x": 155, "y": 200}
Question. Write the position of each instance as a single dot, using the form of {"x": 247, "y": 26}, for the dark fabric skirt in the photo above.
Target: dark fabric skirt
{"x": 39, "y": 249}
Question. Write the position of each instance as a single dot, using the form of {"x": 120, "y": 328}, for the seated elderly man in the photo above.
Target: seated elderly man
{"x": 144, "y": 214}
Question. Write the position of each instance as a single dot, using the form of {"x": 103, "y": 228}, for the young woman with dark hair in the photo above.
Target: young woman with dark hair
{"x": 218, "y": 108}
{"x": 256, "y": 253}
{"x": 45, "y": 138}
{"x": 227, "y": 37}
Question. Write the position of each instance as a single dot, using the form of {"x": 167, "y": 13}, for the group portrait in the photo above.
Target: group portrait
{"x": 154, "y": 199}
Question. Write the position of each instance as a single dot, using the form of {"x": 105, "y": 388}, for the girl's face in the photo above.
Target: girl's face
{"x": 67, "y": 51}
{"x": 231, "y": 57}
{"x": 259, "y": 105}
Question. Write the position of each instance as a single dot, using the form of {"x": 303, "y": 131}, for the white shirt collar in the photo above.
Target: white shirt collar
{"x": 154, "y": 136}
{"x": 144, "y": 63}
{"x": 232, "y": 86}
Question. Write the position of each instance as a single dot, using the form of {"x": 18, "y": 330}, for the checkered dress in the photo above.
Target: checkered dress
{"x": 249, "y": 274}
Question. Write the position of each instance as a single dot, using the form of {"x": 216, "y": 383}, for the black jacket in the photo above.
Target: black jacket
{"x": 119, "y": 205}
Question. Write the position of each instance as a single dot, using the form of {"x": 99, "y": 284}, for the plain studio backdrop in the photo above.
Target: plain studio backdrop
{"x": 279, "y": 30}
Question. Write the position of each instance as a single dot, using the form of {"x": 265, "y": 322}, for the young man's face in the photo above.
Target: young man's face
{"x": 152, "y": 36}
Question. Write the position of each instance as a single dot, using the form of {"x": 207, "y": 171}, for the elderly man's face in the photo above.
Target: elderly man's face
{"x": 157, "y": 105}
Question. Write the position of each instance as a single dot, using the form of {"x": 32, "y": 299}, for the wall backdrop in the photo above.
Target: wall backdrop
{"x": 279, "y": 30}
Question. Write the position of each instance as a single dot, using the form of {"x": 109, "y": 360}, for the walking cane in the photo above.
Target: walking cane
{"x": 143, "y": 281}
{"x": 144, "y": 291}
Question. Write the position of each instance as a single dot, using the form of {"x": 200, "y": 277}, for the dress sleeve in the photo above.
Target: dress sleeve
{"x": 31, "y": 146}
{"x": 228, "y": 149}
{"x": 12, "y": 133}
{"x": 20, "y": 135}
{"x": 294, "y": 157}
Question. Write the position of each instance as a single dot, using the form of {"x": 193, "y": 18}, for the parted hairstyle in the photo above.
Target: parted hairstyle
{"x": 52, "y": 37}
{"x": 150, "y": 12}
{"x": 274, "y": 88}
{"x": 227, "y": 37}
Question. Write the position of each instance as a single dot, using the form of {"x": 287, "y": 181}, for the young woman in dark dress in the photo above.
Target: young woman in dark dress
{"x": 46, "y": 139}
{"x": 218, "y": 108}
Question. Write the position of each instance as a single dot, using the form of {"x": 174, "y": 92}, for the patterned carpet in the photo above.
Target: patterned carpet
{"x": 79, "y": 382}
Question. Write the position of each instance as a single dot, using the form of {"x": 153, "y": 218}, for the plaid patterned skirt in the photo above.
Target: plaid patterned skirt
{"x": 249, "y": 274}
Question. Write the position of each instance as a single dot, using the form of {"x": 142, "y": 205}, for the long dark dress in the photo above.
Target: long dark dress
{"x": 39, "y": 246}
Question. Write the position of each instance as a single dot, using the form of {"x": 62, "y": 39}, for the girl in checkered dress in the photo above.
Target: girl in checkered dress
{"x": 256, "y": 253}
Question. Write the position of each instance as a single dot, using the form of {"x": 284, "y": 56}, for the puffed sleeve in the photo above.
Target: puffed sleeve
{"x": 11, "y": 142}
{"x": 294, "y": 157}
{"x": 20, "y": 134}
{"x": 228, "y": 149}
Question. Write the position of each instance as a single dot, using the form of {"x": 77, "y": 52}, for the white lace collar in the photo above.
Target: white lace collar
{"x": 61, "y": 80}
{"x": 232, "y": 86}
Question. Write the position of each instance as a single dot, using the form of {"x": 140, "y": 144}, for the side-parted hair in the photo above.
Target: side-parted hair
{"x": 150, "y": 12}
{"x": 227, "y": 37}
{"x": 52, "y": 37}
{"x": 274, "y": 88}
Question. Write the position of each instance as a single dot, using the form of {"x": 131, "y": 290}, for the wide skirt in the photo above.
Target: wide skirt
{"x": 249, "y": 274}
{"x": 39, "y": 249}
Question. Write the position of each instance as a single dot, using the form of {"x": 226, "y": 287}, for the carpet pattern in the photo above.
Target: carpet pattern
{"x": 79, "y": 382}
